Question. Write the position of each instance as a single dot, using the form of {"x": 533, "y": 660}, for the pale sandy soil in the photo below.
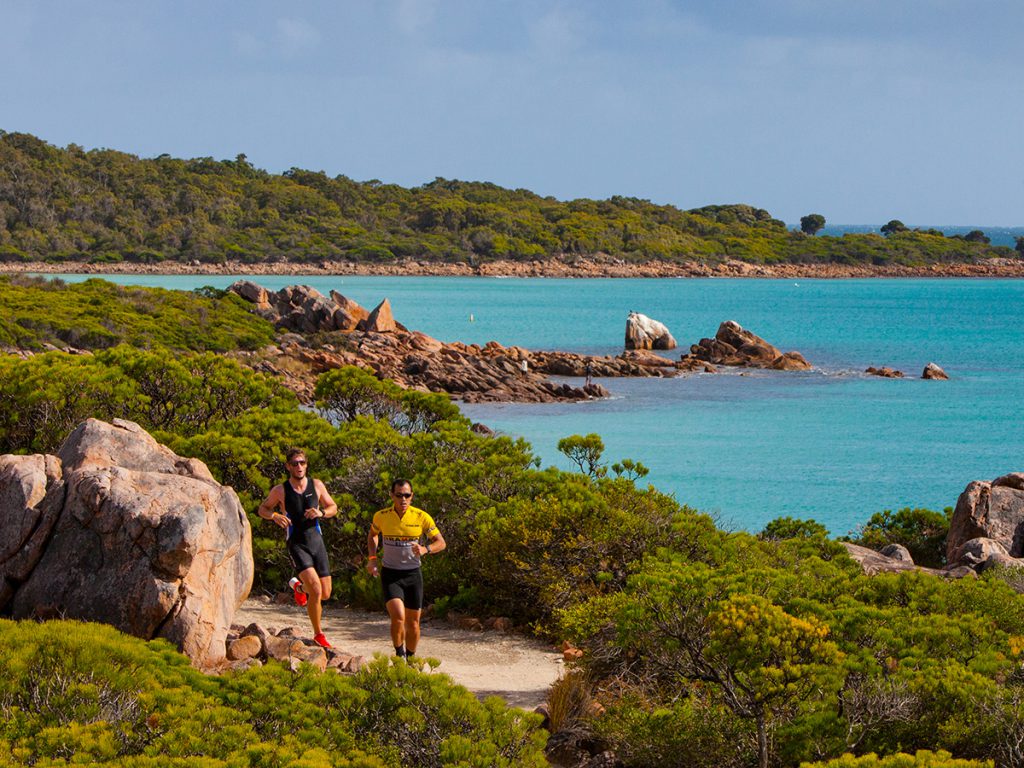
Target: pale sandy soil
{"x": 519, "y": 669}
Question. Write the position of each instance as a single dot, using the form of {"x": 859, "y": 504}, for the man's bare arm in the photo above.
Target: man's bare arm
{"x": 273, "y": 502}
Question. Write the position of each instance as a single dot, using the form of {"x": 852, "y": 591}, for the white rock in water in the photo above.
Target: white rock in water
{"x": 644, "y": 333}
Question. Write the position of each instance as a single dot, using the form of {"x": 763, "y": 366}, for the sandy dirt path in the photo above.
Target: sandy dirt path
{"x": 516, "y": 668}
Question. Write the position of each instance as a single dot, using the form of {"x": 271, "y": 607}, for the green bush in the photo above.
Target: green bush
{"x": 922, "y": 759}
{"x": 791, "y": 528}
{"x": 693, "y": 731}
{"x": 922, "y": 531}
{"x": 96, "y": 314}
{"x": 81, "y": 693}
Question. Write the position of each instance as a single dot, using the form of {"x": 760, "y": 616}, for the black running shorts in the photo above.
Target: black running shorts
{"x": 310, "y": 553}
{"x": 406, "y": 586}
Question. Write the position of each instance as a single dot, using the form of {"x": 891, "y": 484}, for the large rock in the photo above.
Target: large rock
{"x": 873, "y": 563}
{"x": 977, "y": 551}
{"x": 349, "y": 314}
{"x": 989, "y": 510}
{"x": 252, "y": 292}
{"x": 118, "y": 529}
{"x": 380, "y": 320}
{"x": 734, "y": 345}
{"x": 934, "y": 372}
{"x": 644, "y": 333}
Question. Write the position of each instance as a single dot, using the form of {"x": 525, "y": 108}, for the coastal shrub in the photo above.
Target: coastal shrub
{"x": 692, "y": 731}
{"x": 344, "y": 393}
{"x": 921, "y": 759}
{"x": 922, "y": 531}
{"x": 567, "y": 540}
{"x": 96, "y": 314}
{"x": 792, "y": 528}
{"x": 43, "y": 397}
{"x": 425, "y": 720}
{"x": 81, "y": 693}
{"x": 907, "y": 661}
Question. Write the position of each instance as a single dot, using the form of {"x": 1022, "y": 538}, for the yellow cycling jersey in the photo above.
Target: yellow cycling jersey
{"x": 399, "y": 535}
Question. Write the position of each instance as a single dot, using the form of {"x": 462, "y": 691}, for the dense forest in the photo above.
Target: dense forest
{"x": 701, "y": 646}
{"x": 103, "y": 206}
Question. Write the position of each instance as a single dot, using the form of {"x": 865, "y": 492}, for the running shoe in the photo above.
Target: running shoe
{"x": 300, "y": 597}
{"x": 321, "y": 640}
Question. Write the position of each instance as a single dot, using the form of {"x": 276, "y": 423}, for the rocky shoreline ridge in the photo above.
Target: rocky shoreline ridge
{"x": 579, "y": 267}
{"x": 375, "y": 341}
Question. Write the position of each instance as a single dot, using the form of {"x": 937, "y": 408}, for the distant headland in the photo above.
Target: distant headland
{"x": 103, "y": 211}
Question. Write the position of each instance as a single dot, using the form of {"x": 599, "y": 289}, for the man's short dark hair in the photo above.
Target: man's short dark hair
{"x": 399, "y": 483}
{"x": 292, "y": 453}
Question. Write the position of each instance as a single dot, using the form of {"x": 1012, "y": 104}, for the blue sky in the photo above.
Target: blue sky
{"x": 862, "y": 110}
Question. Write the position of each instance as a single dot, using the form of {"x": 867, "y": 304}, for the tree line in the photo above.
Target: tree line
{"x": 102, "y": 206}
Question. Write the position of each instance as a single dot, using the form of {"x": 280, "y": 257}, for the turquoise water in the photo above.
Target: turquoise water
{"x": 831, "y": 444}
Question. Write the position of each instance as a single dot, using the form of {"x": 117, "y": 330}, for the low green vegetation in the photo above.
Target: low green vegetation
{"x": 84, "y": 694}
{"x": 921, "y": 759}
{"x": 96, "y": 314}
{"x": 105, "y": 207}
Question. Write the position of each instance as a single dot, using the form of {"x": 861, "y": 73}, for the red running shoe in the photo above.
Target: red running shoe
{"x": 321, "y": 640}
{"x": 301, "y": 598}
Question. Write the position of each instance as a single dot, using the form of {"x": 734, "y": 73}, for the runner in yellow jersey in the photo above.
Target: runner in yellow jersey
{"x": 401, "y": 526}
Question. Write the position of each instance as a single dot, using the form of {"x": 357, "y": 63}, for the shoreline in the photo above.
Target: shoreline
{"x": 554, "y": 268}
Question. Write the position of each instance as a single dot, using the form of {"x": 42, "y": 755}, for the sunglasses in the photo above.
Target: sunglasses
{"x": 298, "y": 463}
{"x": 403, "y": 495}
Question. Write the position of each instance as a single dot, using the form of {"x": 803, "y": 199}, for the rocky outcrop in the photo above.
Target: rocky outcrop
{"x": 377, "y": 342}
{"x": 733, "y": 345}
{"x": 873, "y": 562}
{"x": 302, "y": 309}
{"x": 988, "y": 510}
{"x": 933, "y": 372}
{"x": 884, "y": 372}
{"x": 118, "y": 529}
{"x": 644, "y": 333}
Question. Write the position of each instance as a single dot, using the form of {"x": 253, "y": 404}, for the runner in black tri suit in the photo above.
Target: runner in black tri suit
{"x": 305, "y": 502}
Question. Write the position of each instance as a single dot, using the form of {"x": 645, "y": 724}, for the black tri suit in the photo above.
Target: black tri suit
{"x": 305, "y": 542}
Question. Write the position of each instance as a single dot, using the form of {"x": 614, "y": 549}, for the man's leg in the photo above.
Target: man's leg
{"x": 396, "y": 610}
{"x": 311, "y": 584}
{"x": 412, "y": 629}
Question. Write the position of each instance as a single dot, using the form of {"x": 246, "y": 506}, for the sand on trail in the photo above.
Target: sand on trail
{"x": 518, "y": 669}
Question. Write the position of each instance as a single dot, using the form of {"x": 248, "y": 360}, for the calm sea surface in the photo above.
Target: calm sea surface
{"x": 832, "y": 444}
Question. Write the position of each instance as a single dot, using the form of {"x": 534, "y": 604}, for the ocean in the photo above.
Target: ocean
{"x": 832, "y": 444}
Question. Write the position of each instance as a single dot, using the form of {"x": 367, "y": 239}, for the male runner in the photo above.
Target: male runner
{"x": 401, "y": 525}
{"x": 305, "y": 502}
